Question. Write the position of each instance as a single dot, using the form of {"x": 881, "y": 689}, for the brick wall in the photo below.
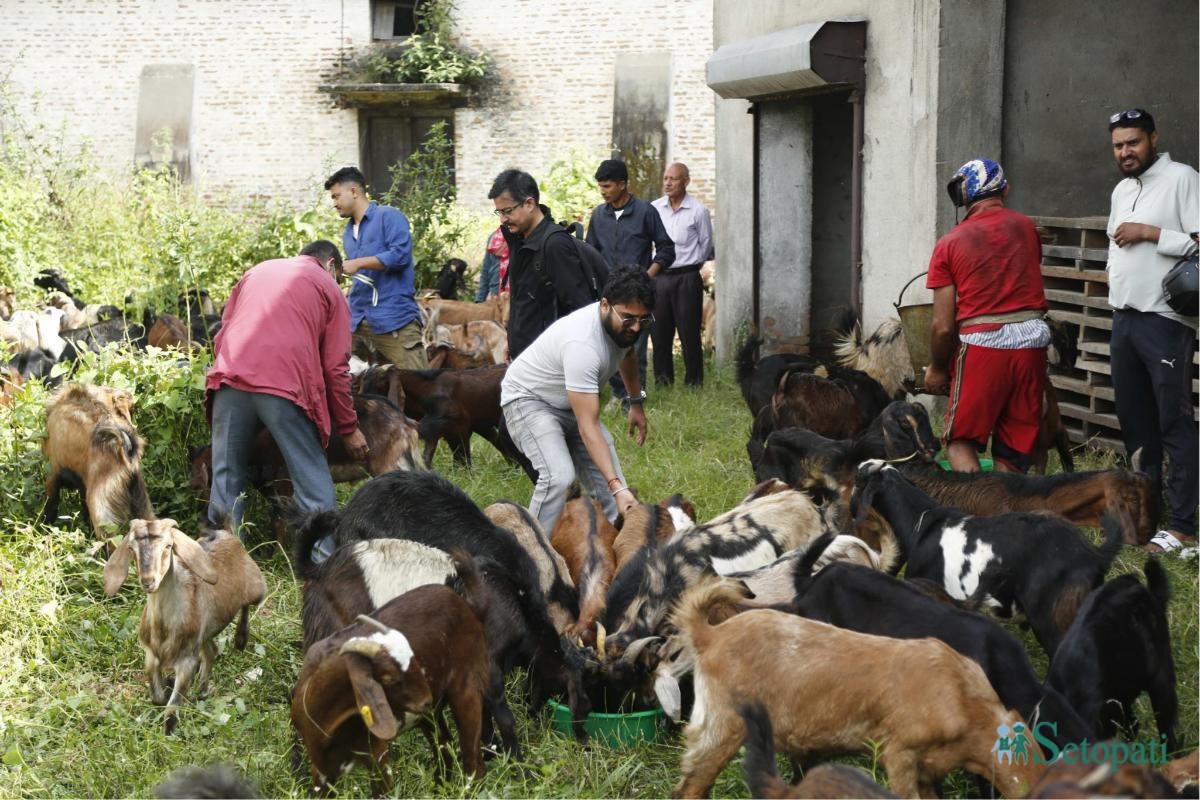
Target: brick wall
{"x": 260, "y": 127}
{"x": 556, "y": 65}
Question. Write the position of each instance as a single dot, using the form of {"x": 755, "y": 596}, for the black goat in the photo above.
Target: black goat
{"x": 793, "y": 454}
{"x": 1033, "y": 562}
{"x": 864, "y": 600}
{"x": 427, "y": 508}
{"x": 1118, "y": 647}
{"x": 450, "y": 278}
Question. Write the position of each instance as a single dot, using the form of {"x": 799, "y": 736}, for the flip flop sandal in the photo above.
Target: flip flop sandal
{"x": 1165, "y": 542}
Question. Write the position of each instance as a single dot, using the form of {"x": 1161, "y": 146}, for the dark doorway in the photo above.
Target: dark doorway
{"x": 833, "y": 161}
{"x": 386, "y": 139}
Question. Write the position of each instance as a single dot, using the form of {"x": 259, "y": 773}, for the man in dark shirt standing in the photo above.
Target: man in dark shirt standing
{"x": 628, "y": 231}
{"x": 546, "y": 277}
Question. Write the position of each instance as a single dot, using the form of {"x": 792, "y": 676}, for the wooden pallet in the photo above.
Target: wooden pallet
{"x": 1074, "y": 255}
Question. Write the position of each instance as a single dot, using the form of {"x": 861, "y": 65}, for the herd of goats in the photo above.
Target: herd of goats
{"x": 430, "y": 602}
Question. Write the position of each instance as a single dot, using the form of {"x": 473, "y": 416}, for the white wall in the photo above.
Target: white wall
{"x": 900, "y": 184}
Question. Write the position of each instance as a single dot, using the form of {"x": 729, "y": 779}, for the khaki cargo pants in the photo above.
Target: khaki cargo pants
{"x": 403, "y": 347}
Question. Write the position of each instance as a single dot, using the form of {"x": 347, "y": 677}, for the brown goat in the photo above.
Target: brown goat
{"x": 584, "y": 537}
{"x": 456, "y": 312}
{"x": 422, "y": 651}
{"x": 452, "y": 404}
{"x": 92, "y": 446}
{"x": 805, "y": 400}
{"x": 883, "y": 355}
{"x": 1081, "y": 497}
{"x": 391, "y": 435}
{"x": 168, "y": 331}
{"x": 1073, "y": 779}
{"x": 193, "y": 590}
{"x": 447, "y": 356}
{"x": 835, "y": 691}
{"x": 827, "y": 780}
{"x": 644, "y": 525}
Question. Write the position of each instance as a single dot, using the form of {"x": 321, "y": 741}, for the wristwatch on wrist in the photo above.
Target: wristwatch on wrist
{"x": 638, "y": 399}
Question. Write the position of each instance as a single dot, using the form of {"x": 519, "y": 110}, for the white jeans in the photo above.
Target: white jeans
{"x": 549, "y": 437}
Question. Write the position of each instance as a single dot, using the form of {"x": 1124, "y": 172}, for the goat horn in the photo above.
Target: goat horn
{"x": 600, "y": 634}
{"x": 636, "y": 647}
{"x": 374, "y": 623}
{"x": 908, "y": 457}
{"x": 362, "y": 646}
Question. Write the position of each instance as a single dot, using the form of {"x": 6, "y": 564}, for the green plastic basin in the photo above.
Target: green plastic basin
{"x": 985, "y": 464}
{"x": 613, "y": 730}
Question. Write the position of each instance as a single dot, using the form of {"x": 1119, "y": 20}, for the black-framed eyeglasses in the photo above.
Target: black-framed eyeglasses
{"x": 1131, "y": 114}
{"x": 505, "y": 212}
{"x": 629, "y": 320}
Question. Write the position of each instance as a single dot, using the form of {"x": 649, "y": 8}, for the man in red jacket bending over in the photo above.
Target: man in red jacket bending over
{"x": 281, "y": 362}
{"x": 988, "y": 337}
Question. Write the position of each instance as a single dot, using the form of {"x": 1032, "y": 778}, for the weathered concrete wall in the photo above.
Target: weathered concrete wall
{"x": 260, "y": 127}
{"x": 971, "y": 65}
{"x": 1068, "y": 67}
{"x": 899, "y": 179}
{"x": 786, "y": 171}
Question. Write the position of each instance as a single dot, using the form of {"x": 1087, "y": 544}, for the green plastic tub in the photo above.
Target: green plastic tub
{"x": 613, "y": 730}
{"x": 985, "y": 464}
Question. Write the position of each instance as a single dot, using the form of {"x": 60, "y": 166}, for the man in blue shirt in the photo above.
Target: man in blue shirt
{"x": 379, "y": 262}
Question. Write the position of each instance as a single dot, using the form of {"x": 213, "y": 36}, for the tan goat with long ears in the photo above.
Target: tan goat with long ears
{"x": 193, "y": 590}
{"x": 831, "y": 691}
{"x": 90, "y": 440}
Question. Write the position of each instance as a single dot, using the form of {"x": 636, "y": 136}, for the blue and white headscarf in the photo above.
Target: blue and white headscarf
{"x": 983, "y": 176}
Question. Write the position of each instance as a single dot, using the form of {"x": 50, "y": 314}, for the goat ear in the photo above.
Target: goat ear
{"x": 117, "y": 567}
{"x": 193, "y": 556}
{"x": 369, "y": 697}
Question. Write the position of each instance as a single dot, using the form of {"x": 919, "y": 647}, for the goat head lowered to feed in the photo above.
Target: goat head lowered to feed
{"x": 193, "y": 590}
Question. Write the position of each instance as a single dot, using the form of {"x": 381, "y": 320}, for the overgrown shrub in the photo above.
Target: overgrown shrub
{"x": 568, "y": 187}
{"x": 429, "y": 56}
{"x": 423, "y": 188}
{"x": 169, "y": 414}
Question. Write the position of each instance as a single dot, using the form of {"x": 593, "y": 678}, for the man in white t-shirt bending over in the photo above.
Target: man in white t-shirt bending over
{"x": 551, "y": 397}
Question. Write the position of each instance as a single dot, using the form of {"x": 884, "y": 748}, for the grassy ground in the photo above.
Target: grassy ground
{"x": 75, "y": 715}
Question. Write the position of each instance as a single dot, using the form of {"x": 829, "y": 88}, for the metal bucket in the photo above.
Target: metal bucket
{"x": 915, "y": 320}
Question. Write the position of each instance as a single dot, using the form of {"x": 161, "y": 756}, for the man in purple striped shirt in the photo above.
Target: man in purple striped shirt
{"x": 678, "y": 290}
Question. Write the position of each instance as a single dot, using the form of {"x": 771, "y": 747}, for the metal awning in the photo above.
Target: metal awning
{"x": 810, "y": 57}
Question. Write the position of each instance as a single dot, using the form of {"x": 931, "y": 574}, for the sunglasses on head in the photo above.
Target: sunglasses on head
{"x": 1131, "y": 114}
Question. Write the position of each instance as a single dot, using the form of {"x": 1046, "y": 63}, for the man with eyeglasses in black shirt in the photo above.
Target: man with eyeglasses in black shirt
{"x": 546, "y": 278}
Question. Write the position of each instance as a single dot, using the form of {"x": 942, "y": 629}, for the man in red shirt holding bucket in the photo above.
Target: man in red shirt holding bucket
{"x": 988, "y": 337}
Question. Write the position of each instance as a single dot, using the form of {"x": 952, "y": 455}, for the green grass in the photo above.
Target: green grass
{"x": 75, "y": 714}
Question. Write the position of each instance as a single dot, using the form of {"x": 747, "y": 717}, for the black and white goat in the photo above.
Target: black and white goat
{"x": 1033, "y": 562}
{"x": 865, "y": 600}
{"x": 1118, "y": 647}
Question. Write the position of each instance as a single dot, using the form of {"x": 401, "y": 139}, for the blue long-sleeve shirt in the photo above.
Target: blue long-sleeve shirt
{"x": 385, "y": 298}
{"x": 637, "y": 238}
{"x": 489, "y": 278}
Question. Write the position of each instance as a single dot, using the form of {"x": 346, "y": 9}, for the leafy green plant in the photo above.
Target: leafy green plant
{"x": 423, "y": 188}
{"x": 568, "y": 187}
{"x": 428, "y": 56}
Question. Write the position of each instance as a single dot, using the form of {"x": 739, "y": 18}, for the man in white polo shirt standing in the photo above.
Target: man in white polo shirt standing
{"x": 551, "y": 397}
{"x": 678, "y": 290}
{"x": 1151, "y": 225}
